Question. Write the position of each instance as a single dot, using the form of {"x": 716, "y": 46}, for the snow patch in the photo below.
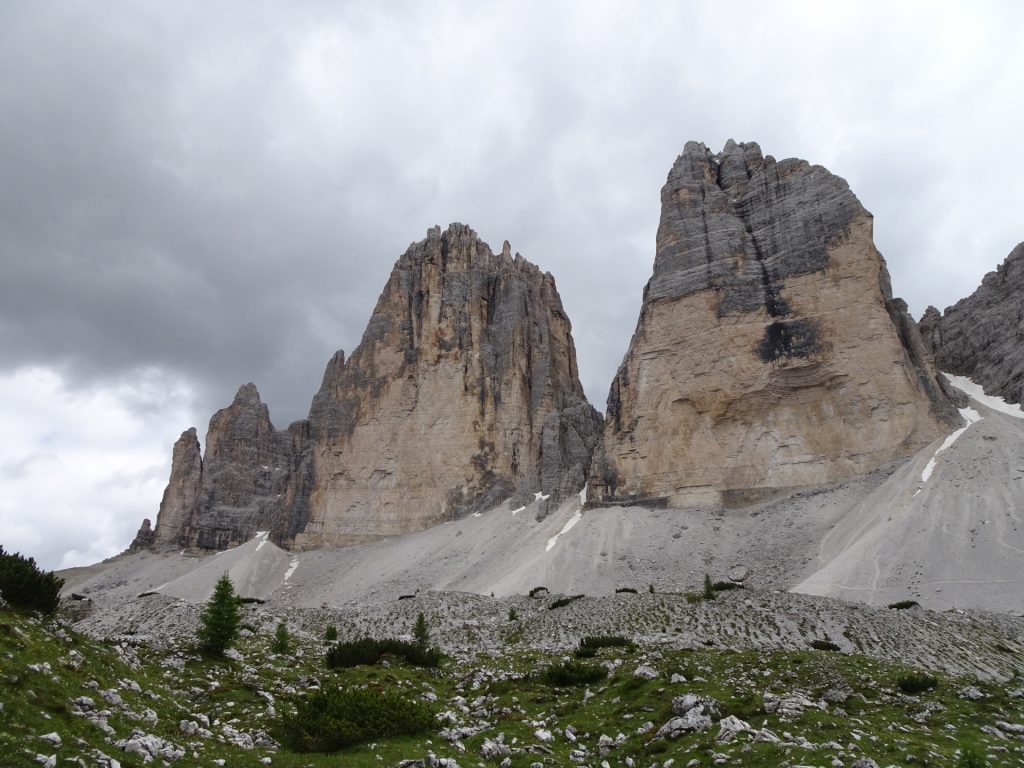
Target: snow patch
{"x": 517, "y": 511}
{"x": 478, "y": 514}
{"x": 583, "y": 495}
{"x": 291, "y": 568}
{"x": 565, "y": 529}
{"x": 539, "y": 496}
{"x": 262, "y": 536}
{"x": 975, "y": 391}
{"x": 971, "y": 416}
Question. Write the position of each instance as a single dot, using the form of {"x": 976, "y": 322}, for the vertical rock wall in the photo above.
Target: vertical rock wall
{"x": 463, "y": 393}
{"x": 982, "y": 336}
{"x": 769, "y": 353}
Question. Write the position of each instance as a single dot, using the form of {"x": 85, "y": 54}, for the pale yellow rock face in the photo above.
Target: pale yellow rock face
{"x": 698, "y": 416}
{"x": 461, "y": 384}
{"x": 700, "y": 423}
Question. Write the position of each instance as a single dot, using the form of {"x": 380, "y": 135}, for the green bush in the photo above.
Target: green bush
{"x": 23, "y": 584}
{"x": 902, "y": 605}
{"x": 971, "y": 756}
{"x": 218, "y": 626}
{"x": 625, "y": 589}
{"x": 564, "y": 601}
{"x": 606, "y": 641}
{"x": 824, "y": 645}
{"x": 513, "y": 615}
{"x": 368, "y": 651}
{"x": 574, "y": 673}
{"x": 585, "y": 653}
{"x": 333, "y": 718}
{"x": 331, "y": 634}
{"x": 537, "y": 590}
{"x": 916, "y": 682}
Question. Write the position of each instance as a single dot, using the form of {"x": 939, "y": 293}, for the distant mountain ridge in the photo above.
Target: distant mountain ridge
{"x": 982, "y": 335}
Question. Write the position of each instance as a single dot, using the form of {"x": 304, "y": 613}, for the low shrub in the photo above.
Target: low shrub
{"x": 564, "y": 601}
{"x": 333, "y": 718}
{"x": 824, "y": 645}
{"x": 971, "y": 756}
{"x": 585, "y": 653}
{"x": 605, "y": 641}
{"x": 574, "y": 673}
{"x": 537, "y": 590}
{"x": 620, "y": 590}
{"x": 513, "y": 615}
{"x": 331, "y": 634}
{"x": 693, "y": 597}
{"x": 367, "y": 651}
{"x": 903, "y": 605}
{"x": 25, "y": 585}
{"x": 916, "y": 682}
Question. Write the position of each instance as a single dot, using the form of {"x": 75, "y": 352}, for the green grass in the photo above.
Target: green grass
{"x": 505, "y": 687}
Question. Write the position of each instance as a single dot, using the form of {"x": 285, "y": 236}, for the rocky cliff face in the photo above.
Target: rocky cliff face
{"x": 463, "y": 392}
{"x": 982, "y": 336}
{"x": 179, "y": 508}
{"x": 769, "y": 353}
{"x": 248, "y": 475}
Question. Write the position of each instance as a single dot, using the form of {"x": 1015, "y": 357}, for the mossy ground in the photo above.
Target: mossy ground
{"x": 504, "y": 689}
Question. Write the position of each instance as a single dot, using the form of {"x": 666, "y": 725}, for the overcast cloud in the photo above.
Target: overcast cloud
{"x": 196, "y": 195}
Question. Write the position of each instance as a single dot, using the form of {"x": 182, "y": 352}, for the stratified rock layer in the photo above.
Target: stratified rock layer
{"x": 462, "y": 393}
{"x": 769, "y": 353}
{"x": 982, "y": 336}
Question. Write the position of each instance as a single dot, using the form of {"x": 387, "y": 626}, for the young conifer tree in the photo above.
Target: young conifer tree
{"x": 218, "y": 627}
{"x": 421, "y": 632}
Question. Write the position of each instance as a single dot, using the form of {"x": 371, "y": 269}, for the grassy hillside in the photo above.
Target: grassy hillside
{"x": 501, "y": 708}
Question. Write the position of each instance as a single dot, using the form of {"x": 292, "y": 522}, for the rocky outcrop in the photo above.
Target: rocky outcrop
{"x": 248, "y": 475}
{"x": 179, "y": 508}
{"x": 769, "y": 353}
{"x": 462, "y": 393}
{"x": 144, "y": 537}
{"x": 982, "y": 336}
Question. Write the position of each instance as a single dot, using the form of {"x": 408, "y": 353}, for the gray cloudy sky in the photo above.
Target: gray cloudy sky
{"x": 195, "y": 195}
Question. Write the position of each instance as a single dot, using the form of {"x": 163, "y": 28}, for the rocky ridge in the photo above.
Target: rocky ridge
{"x": 982, "y": 336}
{"x": 769, "y": 356}
{"x": 462, "y": 393}
{"x": 770, "y": 353}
